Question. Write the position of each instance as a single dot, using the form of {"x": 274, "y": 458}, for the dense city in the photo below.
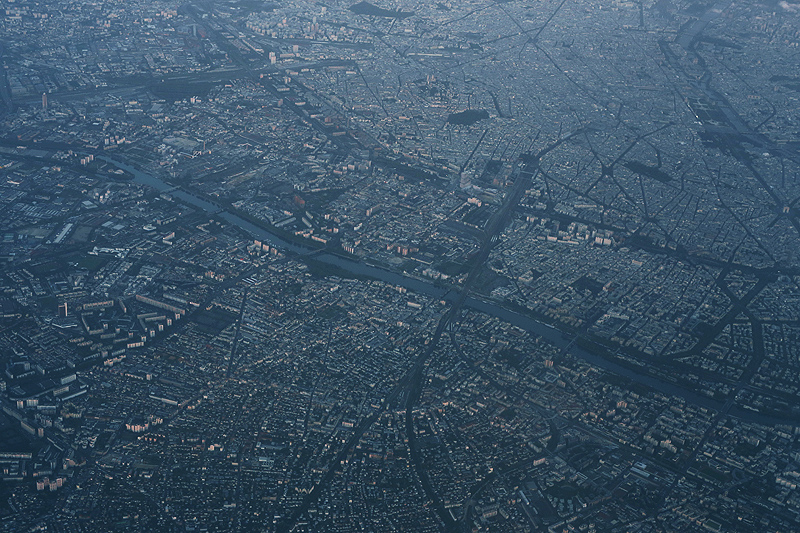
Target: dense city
{"x": 436, "y": 267}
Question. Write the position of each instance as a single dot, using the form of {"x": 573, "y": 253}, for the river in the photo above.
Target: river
{"x": 540, "y": 329}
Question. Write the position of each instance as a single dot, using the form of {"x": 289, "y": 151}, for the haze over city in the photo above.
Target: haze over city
{"x": 400, "y": 266}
